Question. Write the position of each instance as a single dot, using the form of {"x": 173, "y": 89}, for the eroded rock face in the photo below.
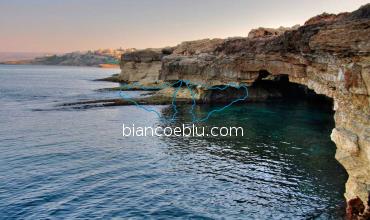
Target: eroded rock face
{"x": 269, "y": 32}
{"x": 330, "y": 54}
{"x": 142, "y": 65}
{"x": 145, "y": 65}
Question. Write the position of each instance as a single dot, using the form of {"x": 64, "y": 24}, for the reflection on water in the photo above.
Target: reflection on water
{"x": 76, "y": 164}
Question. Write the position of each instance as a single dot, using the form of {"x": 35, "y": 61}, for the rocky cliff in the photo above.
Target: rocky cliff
{"x": 142, "y": 65}
{"x": 329, "y": 54}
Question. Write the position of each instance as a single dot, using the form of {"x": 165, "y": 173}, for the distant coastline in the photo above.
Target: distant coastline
{"x": 104, "y": 58}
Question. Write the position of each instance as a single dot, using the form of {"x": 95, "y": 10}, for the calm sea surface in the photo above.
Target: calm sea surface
{"x": 60, "y": 163}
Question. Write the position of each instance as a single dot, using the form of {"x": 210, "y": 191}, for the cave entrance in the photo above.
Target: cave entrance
{"x": 269, "y": 88}
{"x": 278, "y": 87}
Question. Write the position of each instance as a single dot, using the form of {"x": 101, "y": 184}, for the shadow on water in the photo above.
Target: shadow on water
{"x": 285, "y": 159}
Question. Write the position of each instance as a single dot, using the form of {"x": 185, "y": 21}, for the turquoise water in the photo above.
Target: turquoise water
{"x": 74, "y": 163}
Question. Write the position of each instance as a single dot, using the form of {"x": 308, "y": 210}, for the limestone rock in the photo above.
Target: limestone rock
{"x": 346, "y": 140}
{"x": 147, "y": 55}
{"x": 329, "y": 54}
{"x": 197, "y": 47}
{"x": 269, "y": 32}
{"x": 325, "y": 18}
{"x": 142, "y": 65}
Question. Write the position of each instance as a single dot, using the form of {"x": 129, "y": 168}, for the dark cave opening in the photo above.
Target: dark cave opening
{"x": 269, "y": 88}
{"x": 287, "y": 89}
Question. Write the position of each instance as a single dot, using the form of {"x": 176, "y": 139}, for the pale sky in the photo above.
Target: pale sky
{"x": 71, "y": 25}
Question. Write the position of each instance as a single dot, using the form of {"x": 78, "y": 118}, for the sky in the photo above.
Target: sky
{"x": 71, "y": 25}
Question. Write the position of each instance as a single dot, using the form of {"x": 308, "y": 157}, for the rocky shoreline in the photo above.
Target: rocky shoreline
{"x": 329, "y": 54}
